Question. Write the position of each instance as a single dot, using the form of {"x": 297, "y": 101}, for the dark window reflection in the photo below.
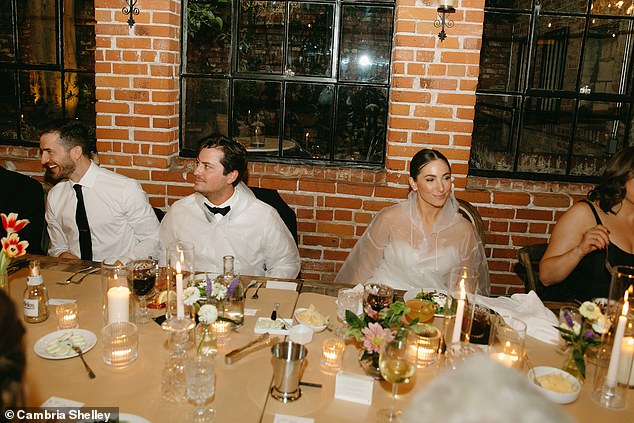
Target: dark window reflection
{"x": 366, "y": 42}
{"x": 208, "y": 36}
{"x": 605, "y": 56}
{"x": 503, "y": 57}
{"x": 261, "y": 31}
{"x": 308, "y": 119}
{"x": 37, "y": 34}
{"x": 496, "y": 125}
{"x": 546, "y": 135}
{"x": 510, "y": 4}
{"x": 613, "y": 7}
{"x": 310, "y": 38}
{"x": 205, "y": 109}
{"x": 7, "y": 51}
{"x": 79, "y": 36}
{"x": 257, "y": 108}
{"x": 568, "y": 6}
{"x": 41, "y": 98}
{"x": 80, "y": 96}
{"x": 361, "y": 124}
{"x": 9, "y": 106}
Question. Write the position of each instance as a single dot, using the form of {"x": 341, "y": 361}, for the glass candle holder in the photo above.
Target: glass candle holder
{"x": 507, "y": 340}
{"x": 427, "y": 346}
{"x": 332, "y": 354}
{"x": 460, "y": 306}
{"x": 117, "y": 302}
{"x": 222, "y": 331}
{"x": 120, "y": 344}
{"x": 67, "y": 316}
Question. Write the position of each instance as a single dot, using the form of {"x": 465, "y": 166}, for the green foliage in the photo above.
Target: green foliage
{"x": 204, "y": 13}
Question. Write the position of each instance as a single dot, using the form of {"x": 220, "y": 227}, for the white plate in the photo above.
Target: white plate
{"x": 411, "y": 294}
{"x": 131, "y": 418}
{"x": 40, "y": 345}
{"x": 263, "y": 325}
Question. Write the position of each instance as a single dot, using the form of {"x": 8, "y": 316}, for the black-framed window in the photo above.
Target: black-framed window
{"x": 47, "y": 65}
{"x": 555, "y": 93}
{"x": 294, "y": 81}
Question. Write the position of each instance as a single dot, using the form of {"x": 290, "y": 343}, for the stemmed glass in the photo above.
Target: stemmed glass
{"x": 142, "y": 276}
{"x": 397, "y": 363}
{"x": 201, "y": 380}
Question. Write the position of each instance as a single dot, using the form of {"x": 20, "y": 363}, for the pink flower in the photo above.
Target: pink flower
{"x": 372, "y": 314}
{"x": 375, "y": 336}
{"x": 12, "y": 224}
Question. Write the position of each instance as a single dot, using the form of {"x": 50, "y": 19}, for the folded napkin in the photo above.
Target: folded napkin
{"x": 528, "y": 308}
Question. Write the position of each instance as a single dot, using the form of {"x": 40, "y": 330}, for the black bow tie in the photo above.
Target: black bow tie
{"x": 218, "y": 210}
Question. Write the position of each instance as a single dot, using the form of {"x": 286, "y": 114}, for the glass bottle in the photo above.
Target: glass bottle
{"x": 233, "y": 307}
{"x": 35, "y": 295}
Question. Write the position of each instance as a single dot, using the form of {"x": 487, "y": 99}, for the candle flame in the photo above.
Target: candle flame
{"x": 178, "y": 267}
{"x": 626, "y": 305}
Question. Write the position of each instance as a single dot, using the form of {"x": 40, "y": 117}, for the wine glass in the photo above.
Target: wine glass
{"x": 142, "y": 276}
{"x": 200, "y": 380}
{"x": 397, "y": 363}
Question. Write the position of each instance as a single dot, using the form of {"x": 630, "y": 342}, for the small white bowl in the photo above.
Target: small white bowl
{"x": 556, "y": 397}
{"x": 313, "y": 327}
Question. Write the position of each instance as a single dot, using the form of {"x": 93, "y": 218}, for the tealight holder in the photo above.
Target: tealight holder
{"x": 507, "y": 340}
{"x": 222, "y": 331}
{"x": 67, "y": 316}
{"x": 120, "y": 344}
{"x": 332, "y": 355}
{"x": 427, "y": 346}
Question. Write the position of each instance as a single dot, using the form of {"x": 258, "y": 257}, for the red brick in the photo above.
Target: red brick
{"x": 512, "y": 198}
{"x": 534, "y": 214}
{"x": 518, "y": 227}
{"x": 343, "y": 202}
{"x": 345, "y": 215}
{"x": 326, "y": 241}
{"x": 316, "y": 186}
{"x": 309, "y": 253}
{"x": 335, "y": 229}
{"x": 327, "y": 215}
{"x": 307, "y": 227}
{"x": 552, "y": 200}
{"x": 354, "y": 189}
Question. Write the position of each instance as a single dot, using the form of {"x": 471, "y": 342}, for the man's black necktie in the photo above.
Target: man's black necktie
{"x": 219, "y": 210}
{"x": 85, "y": 243}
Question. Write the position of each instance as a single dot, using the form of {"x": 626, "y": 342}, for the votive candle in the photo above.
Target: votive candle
{"x": 67, "y": 316}
{"x": 610, "y": 379}
{"x": 332, "y": 353}
{"x": 626, "y": 373}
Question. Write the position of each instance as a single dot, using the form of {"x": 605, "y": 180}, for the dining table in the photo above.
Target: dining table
{"x": 242, "y": 391}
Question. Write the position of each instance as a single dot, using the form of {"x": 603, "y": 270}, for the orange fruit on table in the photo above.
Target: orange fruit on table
{"x": 422, "y": 309}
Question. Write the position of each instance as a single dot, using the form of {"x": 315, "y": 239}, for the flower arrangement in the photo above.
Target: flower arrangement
{"x": 207, "y": 314}
{"x": 11, "y": 244}
{"x": 581, "y": 336}
{"x": 375, "y": 329}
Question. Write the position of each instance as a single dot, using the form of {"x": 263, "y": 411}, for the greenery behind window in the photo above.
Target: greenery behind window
{"x": 311, "y": 76}
{"x": 47, "y": 65}
{"x": 554, "y": 98}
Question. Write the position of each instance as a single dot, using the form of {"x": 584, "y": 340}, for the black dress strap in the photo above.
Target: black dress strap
{"x": 594, "y": 211}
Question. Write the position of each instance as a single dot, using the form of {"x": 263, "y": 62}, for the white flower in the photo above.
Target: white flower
{"x": 191, "y": 295}
{"x": 576, "y": 328}
{"x": 219, "y": 291}
{"x": 602, "y": 325}
{"x": 208, "y": 313}
{"x": 590, "y": 310}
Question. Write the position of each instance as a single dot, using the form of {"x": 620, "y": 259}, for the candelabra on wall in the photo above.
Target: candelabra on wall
{"x": 131, "y": 10}
{"x": 442, "y": 22}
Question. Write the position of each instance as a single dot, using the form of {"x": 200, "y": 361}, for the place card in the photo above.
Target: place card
{"x": 57, "y": 402}
{"x": 283, "y": 418}
{"x": 290, "y": 286}
{"x": 354, "y": 388}
{"x": 250, "y": 311}
{"x": 59, "y": 301}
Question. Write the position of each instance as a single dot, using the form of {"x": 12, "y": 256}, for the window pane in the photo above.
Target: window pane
{"x": 8, "y": 106}
{"x": 7, "y": 52}
{"x": 208, "y": 36}
{"x": 600, "y": 133}
{"x": 261, "y": 32}
{"x": 366, "y": 42}
{"x": 310, "y": 39}
{"x": 503, "y": 56}
{"x": 41, "y": 98}
{"x": 568, "y": 6}
{"x": 608, "y": 46}
{"x": 361, "y": 123}
{"x": 37, "y": 36}
{"x": 510, "y": 4}
{"x": 556, "y": 58}
{"x": 546, "y": 134}
{"x": 495, "y": 127}
{"x": 613, "y": 8}
{"x": 257, "y": 103}
{"x": 308, "y": 119}
{"x": 80, "y": 96}
{"x": 205, "y": 109}
{"x": 79, "y": 28}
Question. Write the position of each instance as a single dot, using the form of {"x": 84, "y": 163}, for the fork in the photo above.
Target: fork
{"x": 70, "y": 278}
{"x": 84, "y": 275}
{"x": 91, "y": 374}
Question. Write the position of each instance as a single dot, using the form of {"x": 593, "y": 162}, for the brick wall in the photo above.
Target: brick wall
{"x": 432, "y": 101}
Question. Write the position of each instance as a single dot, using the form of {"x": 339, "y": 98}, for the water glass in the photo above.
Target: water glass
{"x": 349, "y": 299}
{"x": 200, "y": 379}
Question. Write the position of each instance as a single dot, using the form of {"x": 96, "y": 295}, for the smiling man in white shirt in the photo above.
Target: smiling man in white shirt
{"x": 223, "y": 217}
{"x": 92, "y": 213}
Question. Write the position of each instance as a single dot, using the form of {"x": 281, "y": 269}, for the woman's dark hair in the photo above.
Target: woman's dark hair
{"x": 235, "y": 155}
{"x": 422, "y": 158}
{"x": 12, "y": 359}
{"x": 611, "y": 190}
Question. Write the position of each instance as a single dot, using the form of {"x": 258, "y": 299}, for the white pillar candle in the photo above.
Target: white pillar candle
{"x": 610, "y": 379}
{"x": 626, "y": 373}
{"x": 457, "y": 328}
{"x": 180, "y": 307}
{"x": 118, "y": 304}
{"x": 446, "y": 3}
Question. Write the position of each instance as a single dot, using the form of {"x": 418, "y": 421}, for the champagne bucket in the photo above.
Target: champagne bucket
{"x": 288, "y": 363}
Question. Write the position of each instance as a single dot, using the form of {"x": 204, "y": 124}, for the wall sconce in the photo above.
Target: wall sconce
{"x": 129, "y": 9}
{"x": 445, "y": 6}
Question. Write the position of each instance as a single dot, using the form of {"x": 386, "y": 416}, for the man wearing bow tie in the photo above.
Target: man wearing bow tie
{"x": 223, "y": 217}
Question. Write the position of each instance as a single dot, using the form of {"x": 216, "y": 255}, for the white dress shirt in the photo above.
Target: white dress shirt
{"x": 252, "y": 232}
{"x": 122, "y": 222}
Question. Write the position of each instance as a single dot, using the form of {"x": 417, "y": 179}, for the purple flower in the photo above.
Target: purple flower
{"x": 588, "y": 334}
{"x": 568, "y": 319}
{"x": 208, "y": 287}
{"x": 232, "y": 286}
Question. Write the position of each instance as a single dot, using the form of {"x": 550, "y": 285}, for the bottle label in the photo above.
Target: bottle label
{"x": 34, "y": 280}
{"x": 31, "y": 308}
